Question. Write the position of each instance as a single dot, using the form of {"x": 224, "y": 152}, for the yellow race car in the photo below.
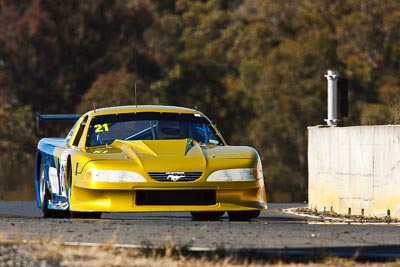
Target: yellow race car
{"x": 146, "y": 159}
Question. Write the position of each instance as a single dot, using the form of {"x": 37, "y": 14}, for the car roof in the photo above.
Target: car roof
{"x": 141, "y": 108}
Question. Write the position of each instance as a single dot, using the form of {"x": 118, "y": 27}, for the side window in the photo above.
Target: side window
{"x": 69, "y": 136}
{"x": 79, "y": 133}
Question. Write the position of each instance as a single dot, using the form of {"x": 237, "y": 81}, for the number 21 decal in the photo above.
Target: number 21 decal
{"x": 99, "y": 128}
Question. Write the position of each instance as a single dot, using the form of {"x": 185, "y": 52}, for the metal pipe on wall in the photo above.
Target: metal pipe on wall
{"x": 333, "y": 119}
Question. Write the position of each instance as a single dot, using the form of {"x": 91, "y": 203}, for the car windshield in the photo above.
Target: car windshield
{"x": 104, "y": 129}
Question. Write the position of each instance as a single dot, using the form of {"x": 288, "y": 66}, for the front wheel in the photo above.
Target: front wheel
{"x": 44, "y": 194}
{"x": 206, "y": 215}
{"x": 243, "y": 215}
{"x": 85, "y": 215}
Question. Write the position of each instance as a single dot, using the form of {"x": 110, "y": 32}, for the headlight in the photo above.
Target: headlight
{"x": 248, "y": 174}
{"x": 113, "y": 176}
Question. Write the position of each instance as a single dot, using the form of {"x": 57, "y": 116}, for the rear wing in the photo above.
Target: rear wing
{"x": 54, "y": 117}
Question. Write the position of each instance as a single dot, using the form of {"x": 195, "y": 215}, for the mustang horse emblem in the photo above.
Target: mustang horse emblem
{"x": 175, "y": 176}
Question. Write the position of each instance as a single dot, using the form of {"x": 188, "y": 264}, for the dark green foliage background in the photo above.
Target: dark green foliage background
{"x": 256, "y": 67}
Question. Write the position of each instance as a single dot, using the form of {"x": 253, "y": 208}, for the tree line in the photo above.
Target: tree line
{"x": 256, "y": 67}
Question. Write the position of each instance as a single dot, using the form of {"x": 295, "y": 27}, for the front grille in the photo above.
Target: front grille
{"x": 175, "y": 176}
{"x": 176, "y": 197}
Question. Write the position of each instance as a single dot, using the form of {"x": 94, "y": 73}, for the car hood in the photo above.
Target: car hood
{"x": 185, "y": 154}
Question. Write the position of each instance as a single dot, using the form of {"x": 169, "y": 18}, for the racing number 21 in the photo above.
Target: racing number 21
{"x": 99, "y": 128}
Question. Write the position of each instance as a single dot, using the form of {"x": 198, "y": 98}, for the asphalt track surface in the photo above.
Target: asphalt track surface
{"x": 274, "y": 232}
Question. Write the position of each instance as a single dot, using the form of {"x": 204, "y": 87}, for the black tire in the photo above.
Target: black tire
{"x": 85, "y": 215}
{"x": 44, "y": 193}
{"x": 243, "y": 215}
{"x": 206, "y": 215}
{"x": 47, "y": 213}
{"x": 45, "y": 196}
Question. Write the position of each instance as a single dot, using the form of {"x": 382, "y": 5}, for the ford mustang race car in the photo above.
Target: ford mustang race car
{"x": 146, "y": 159}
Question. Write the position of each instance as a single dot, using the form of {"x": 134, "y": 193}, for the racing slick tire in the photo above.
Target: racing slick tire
{"x": 206, "y": 215}
{"x": 45, "y": 196}
{"x": 85, "y": 215}
{"x": 44, "y": 193}
{"x": 243, "y": 215}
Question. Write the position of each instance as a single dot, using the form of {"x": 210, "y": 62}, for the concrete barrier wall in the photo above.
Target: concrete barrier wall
{"x": 355, "y": 170}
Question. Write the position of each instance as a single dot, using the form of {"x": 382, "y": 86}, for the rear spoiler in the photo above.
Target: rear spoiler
{"x": 55, "y": 117}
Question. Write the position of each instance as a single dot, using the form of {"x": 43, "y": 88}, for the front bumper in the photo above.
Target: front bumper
{"x": 150, "y": 197}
